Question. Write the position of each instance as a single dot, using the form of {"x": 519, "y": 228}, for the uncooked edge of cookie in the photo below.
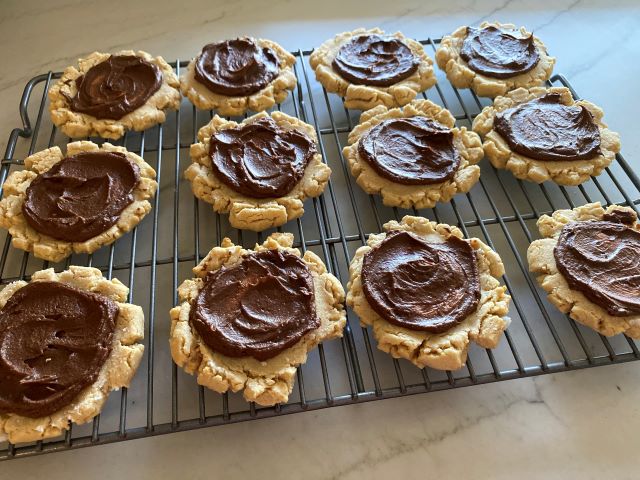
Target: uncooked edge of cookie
{"x": 461, "y": 76}
{"x": 264, "y": 382}
{"x": 254, "y": 213}
{"x": 448, "y": 350}
{"x": 364, "y": 97}
{"x": 275, "y": 92}
{"x": 26, "y": 238}
{"x": 572, "y": 302}
{"x": 467, "y": 143}
{"x": 77, "y": 125}
{"x": 570, "y": 173}
{"x": 117, "y": 371}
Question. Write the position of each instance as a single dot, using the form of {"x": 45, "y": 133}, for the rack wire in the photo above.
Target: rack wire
{"x": 160, "y": 252}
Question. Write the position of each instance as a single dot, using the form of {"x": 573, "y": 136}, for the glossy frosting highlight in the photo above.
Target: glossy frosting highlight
{"x": 421, "y": 285}
{"x": 375, "y": 60}
{"x": 257, "y": 308}
{"x": 411, "y": 151}
{"x": 546, "y": 129}
{"x": 81, "y": 196}
{"x": 116, "y": 87}
{"x": 54, "y": 339}
{"x": 498, "y": 53}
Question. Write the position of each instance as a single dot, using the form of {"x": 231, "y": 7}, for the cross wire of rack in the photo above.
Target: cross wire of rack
{"x": 159, "y": 253}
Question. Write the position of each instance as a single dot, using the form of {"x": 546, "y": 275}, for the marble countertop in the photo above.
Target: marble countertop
{"x": 581, "y": 424}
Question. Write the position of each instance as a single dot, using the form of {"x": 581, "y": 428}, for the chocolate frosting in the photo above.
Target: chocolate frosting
{"x": 115, "y": 87}
{"x": 54, "y": 339}
{"x": 260, "y": 159}
{"x": 375, "y": 60}
{"x": 600, "y": 259}
{"x": 258, "y": 308}
{"x": 546, "y": 129}
{"x": 420, "y": 285}
{"x": 236, "y": 67}
{"x": 81, "y": 196}
{"x": 498, "y": 53}
{"x": 411, "y": 151}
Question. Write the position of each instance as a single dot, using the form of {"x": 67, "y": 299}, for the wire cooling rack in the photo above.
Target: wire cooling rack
{"x": 159, "y": 253}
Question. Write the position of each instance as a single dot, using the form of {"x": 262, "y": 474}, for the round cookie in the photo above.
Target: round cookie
{"x": 275, "y": 91}
{"x": 116, "y": 372}
{"x": 247, "y": 212}
{"x": 573, "y": 302}
{"x": 76, "y": 124}
{"x": 446, "y": 350}
{"x": 562, "y": 172}
{"x": 265, "y": 382}
{"x": 466, "y": 143}
{"x": 462, "y": 76}
{"x": 26, "y": 237}
{"x": 363, "y": 96}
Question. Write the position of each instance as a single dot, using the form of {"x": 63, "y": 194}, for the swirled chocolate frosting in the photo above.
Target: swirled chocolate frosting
{"x": 411, "y": 151}
{"x": 54, "y": 339}
{"x": 236, "y": 67}
{"x": 375, "y": 60}
{"x": 260, "y": 159}
{"x": 115, "y": 87}
{"x": 420, "y": 285}
{"x": 258, "y": 308}
{"x": 546, "y": 129}
{"x": 601, "y": 259}
{"x": 81, "y": 196}
{"x": 498, "y": 53}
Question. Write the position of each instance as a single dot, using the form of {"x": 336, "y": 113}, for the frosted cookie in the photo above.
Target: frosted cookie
{"x": 249, "y": 317}
{"x": 428, "y": 292}
{"x": 413, "y": 156}
{"x": 59, "y": 205}
{"x": 68, "y": 339}
{"x": 587, "y": 262}
{"x": 106, "y": 95}
{"x": 369, "y": 68}
{"x": 235, "y": 76}
{"x": 258, "y": 171}
{"x": 544, "y": 134}
{"x": 494, "y": 58}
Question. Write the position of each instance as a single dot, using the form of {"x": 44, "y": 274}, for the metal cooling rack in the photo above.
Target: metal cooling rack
{"x": 157, "y": 255}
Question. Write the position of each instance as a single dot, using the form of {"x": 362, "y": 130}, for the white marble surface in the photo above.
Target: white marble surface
{"x": 575, "y": 425}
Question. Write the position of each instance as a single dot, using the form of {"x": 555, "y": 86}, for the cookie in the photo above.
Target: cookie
{"x": 428, "y": 293}
{"x": 544, "y": 134}
{"x": 107, "y": 95}
{"x": 236, "y": 76}
{"x": 494, "y": 59}
{"x": 587, "y": 262}
{"x": 44, "y": 320}
{"x": 52, "y": 212}
{"x": 369, "y": 68}
{"x": 290, "y": 302}
{"x": 413, "y": 156}
{"x": 257, "y": 190}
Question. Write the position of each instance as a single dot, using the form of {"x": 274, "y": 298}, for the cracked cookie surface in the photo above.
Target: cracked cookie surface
{"x": 265, "y": 382}
{"x": 25, "y": 237}
{"x": 567, "y": 172}
{"x": 274, "y": 92}
{"x": 116, "y": 372}
{"x": 540, "y": 256}
{"x": 152, "y": 112}
{"x": 362, "y": 96}
{"x": 447, "y": 350}
{"x": 467, "y": 144}
{"x": 461, "y": 76}
{"x": 246, "y": 212}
